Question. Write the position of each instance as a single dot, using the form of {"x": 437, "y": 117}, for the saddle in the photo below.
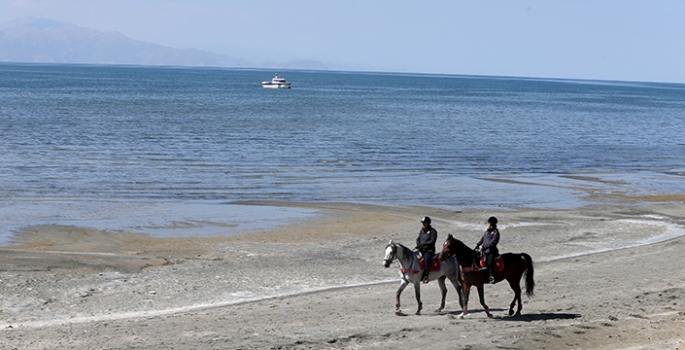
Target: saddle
{"x": 499, "y": 263}
{"x": 435, "y": 262}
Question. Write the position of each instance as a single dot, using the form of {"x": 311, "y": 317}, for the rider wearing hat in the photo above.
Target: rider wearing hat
{"x": 489, "y": 242}
{"x": 425, "y": 243}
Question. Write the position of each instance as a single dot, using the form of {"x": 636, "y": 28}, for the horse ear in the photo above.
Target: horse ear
{"x": 390, "y": 242}
{"x": 449, "y": 236}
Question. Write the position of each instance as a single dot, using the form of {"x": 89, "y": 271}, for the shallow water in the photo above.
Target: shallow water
{"x": 157, "y": 218}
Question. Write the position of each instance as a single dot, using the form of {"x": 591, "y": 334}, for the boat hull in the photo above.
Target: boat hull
{"x": 276, "y": 86}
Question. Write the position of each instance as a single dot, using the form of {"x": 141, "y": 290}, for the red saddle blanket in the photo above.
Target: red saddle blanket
{"x": 499, "y": 263}
{"x": 435, "y": 263}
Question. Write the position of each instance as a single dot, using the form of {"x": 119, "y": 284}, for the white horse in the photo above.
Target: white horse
{"x": 411, "y": 272}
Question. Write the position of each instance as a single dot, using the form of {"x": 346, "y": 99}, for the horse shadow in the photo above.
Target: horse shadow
{"x": 473, "y": 311}
{"x": 522, "y": 318}
{"x": 540, "y": 317}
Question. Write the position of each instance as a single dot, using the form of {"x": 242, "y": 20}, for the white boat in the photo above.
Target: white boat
{"x": 276, "y": 83}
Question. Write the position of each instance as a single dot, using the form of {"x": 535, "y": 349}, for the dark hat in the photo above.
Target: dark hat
{"x": 426, "y": 220}
{"x": 492, "y": 220}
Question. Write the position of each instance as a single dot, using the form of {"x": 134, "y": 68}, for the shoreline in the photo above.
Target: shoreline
{"x": 184, "y": 217}
{"x": 325, "y": 274}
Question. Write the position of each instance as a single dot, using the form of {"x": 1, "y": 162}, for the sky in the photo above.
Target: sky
{"x": 621, "y": 40}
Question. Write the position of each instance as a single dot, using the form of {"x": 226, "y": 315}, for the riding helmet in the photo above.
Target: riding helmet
{"x": 426, "y": 220}
{"x": 492, "y": 220}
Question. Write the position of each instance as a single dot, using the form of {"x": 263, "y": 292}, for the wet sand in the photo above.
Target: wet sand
{"x": 606, "y": 278}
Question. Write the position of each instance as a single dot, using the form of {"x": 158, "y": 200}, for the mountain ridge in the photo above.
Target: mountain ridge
{"x": 42, "y": 40}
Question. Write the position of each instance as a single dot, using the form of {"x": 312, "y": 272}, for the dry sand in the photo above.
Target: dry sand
{"x": 606, "y": 278}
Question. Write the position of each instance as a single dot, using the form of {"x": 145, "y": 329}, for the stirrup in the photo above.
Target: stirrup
{"x": 492, "y": 280}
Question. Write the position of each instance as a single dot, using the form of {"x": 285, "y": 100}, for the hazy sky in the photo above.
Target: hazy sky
{"x": 600, "y": 39}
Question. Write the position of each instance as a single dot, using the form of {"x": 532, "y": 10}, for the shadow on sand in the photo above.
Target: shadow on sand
{"x": 521, "y": 318}
{"x": 540, "y": 317}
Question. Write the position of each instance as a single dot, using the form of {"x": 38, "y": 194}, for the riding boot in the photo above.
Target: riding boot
{"x": 491, "y": 268}
{"x": 424, "y": 278}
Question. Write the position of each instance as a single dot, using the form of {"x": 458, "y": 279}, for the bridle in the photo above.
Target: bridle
{"x": 392, "y": 256}
{"x": 449, "y": 254}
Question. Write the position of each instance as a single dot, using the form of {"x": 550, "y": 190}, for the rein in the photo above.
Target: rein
{"x": 476, "y": 256}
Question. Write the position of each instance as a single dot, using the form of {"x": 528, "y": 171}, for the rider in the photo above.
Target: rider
{"x": 425, "y": 243}
{"x": 489, "y": 242}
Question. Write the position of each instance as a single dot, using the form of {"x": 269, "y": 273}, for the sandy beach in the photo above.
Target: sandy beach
{"x": 607, "y": 277}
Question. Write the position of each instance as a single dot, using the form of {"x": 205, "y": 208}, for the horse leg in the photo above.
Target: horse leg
{"x": 466, "y": 289}
{"x": 417, "y": 291}
{"x": 443, "y": 291}
{"x": 398, "y": 293}
{"x": 457, "y": 286}
{"x": 481, "y": 296}
{"x": 516, "y": 287}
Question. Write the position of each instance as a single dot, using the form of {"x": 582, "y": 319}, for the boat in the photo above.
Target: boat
{"x": 276, "y": 83}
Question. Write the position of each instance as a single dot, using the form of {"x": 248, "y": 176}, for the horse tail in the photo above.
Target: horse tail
{"x": 530, "y": 282}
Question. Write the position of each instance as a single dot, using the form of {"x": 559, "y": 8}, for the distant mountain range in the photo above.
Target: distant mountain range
{"x": 40, "y": 40}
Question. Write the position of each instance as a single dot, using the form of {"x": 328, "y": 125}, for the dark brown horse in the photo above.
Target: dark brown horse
{"x": 515, "y": 265}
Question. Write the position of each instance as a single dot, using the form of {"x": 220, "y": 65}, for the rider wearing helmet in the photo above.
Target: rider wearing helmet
{"x": 425, "y": 243}
{"x": 489, "y": 242}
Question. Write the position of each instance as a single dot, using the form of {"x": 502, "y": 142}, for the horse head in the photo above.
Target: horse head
{"x": 390, "y": 254}
{"x": 454, "y": 247}
{"x": 447, "y": 248}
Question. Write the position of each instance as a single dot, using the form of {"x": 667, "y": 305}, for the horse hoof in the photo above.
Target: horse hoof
{"x": 418, "y": 313}
{"x": 490, "y": 316}
{"x": 461, "y": 317}
{"x": 438, "y": 310}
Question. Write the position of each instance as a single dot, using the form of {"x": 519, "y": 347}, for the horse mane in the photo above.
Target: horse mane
{"x": 405, "y": 250}
{"x": 461, "y": 246}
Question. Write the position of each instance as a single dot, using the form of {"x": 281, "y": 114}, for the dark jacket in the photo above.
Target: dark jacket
{"x": 426, "y": 239}
{"x": 489, "y": 241}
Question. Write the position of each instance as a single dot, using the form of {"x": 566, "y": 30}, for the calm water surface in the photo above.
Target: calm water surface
{"x": 106, "y": 133}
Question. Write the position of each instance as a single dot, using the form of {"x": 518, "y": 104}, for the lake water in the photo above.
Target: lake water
{"x": 134, "y": 141}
